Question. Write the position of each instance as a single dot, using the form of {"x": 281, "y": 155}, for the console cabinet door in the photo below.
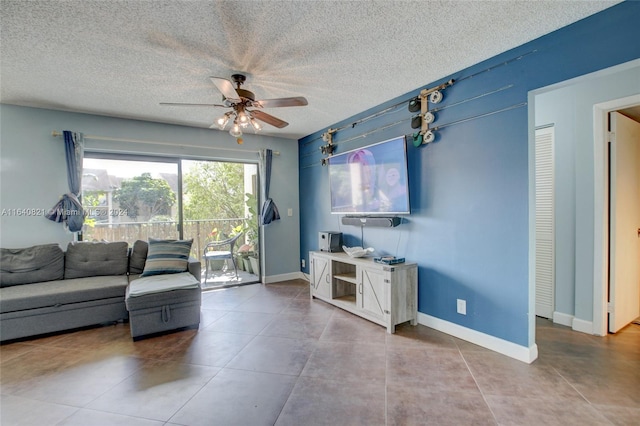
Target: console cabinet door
{"x": 371, "y": 292}
{"x": 321, "y": 277}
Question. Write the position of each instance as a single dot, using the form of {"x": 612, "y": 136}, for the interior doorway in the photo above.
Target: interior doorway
{"x": 609, "y": 297}
{"x": 623, "y": 291}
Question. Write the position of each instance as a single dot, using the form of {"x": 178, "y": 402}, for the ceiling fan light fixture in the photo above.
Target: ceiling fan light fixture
{"x": 222, "y": 121}
{"x": 235, "y": 131}
{"x": 256, "y": 126}
{"x": 243, "y": 118}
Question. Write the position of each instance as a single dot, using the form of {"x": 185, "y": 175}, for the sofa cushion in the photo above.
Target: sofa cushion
{"x": 40, "y": 295}
{"x": 31, "y": 265}
{"x": 138, "y": 257}
{"x": 161, "y": 283}
{"x": 167, "y": 257}
{"x": 88, "y": 259}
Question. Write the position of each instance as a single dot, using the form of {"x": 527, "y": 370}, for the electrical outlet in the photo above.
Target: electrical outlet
{"x": 462, "y": 307}
{"x": 303, "y": 263}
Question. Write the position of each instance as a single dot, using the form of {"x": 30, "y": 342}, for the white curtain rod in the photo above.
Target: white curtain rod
{"x": 56, "y": 134}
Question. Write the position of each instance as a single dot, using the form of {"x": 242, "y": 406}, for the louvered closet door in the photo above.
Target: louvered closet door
{"x": 545, "y": 264}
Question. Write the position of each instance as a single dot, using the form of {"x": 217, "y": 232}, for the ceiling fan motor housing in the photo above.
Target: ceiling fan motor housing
{"x": 246, "y": 97}
{"x": 246, "y": 94}
{"x": 238, "y": 79}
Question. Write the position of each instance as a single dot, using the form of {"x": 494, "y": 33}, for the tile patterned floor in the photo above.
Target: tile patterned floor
{"x": 268, "y": 355}
{"x": 227, "y": 278}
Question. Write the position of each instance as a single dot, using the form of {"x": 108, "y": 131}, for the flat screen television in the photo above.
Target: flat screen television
{"x": 371, "y": 180}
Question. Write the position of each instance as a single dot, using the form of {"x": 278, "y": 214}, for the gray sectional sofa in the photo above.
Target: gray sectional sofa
{"x": 45, "y": 290}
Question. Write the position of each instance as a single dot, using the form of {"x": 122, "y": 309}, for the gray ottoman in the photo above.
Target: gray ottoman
{"x": 157, "y": 307}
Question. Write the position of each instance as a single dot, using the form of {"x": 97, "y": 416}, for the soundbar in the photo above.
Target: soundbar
{"x": 377, "y": 221}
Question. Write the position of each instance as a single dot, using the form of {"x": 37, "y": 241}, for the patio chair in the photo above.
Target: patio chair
{"x": 214, "y": 251}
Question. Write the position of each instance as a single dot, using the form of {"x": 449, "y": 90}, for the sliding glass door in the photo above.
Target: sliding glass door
{"x": 220, "y": 204}
{"x": 136, "y": 198}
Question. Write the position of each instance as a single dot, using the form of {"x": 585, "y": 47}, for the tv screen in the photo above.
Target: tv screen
{"x": 370, "y": 180}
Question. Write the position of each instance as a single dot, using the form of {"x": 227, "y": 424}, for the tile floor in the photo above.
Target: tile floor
{"x": 267, "y": 355}
{"x": 227, "y": 278}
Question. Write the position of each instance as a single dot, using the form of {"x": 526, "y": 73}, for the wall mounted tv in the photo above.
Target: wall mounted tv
{"x": 371, "y": 180}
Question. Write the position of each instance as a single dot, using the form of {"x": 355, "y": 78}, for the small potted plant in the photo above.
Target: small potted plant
{"x": 244, "y": 252}
{"x": 255, "y": 263}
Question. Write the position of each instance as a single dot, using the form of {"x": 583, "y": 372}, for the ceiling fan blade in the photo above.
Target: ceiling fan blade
{"x": 281, "y": 102}
{"x": 226, "y": 88}
{"x": 192, "y": 105}
{"x": 269, "y": 119}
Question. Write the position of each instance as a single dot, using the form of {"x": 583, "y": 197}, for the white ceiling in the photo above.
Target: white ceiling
{"x": 122, "y": 58}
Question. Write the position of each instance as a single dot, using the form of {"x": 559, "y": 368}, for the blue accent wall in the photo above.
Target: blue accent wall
{"x": 469, "y": 225}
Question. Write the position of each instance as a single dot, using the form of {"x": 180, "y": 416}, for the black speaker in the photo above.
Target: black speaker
{"x": 377, "y": 221}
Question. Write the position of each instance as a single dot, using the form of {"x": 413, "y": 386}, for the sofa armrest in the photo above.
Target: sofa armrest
{"x": 195, "y": 268}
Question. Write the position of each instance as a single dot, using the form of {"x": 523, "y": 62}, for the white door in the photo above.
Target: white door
{"x": 624, "y": 236}
{"x": 545, "y": 247}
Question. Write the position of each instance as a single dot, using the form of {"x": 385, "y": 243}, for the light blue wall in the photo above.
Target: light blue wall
{"x": 570, "y": 109}
{"x": 33, "y": 173}
{"x": 468, "y": 229}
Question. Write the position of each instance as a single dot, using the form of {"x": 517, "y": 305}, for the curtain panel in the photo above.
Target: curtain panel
{"x": 68, "y": 210}
{"x": 269, "y": 211}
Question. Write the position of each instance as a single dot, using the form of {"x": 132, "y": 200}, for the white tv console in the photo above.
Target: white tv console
{"x": 384, "y": 294}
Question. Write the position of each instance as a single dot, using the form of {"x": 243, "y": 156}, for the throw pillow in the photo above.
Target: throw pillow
{"x": 167, "y": 257}
{"x": 138, "y": 257}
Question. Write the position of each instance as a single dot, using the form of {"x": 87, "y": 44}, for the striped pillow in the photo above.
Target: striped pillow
{"x": 167, "y": 257}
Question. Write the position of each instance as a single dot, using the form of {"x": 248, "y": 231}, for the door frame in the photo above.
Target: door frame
{"x": 601, "y": 203}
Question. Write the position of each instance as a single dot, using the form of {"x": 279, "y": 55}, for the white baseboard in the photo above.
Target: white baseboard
{"x": 521, "y": 353}
{"x": 582, "y": 326}
{"x": 562, "y": 319}
{"x": 283, "y": 277}
{"x": 576, "y": 324}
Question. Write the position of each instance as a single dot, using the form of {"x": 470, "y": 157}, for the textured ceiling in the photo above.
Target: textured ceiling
{"x": 122, "y": 58}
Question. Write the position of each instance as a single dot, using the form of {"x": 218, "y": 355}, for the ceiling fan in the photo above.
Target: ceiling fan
{"x": 240, "y": 100}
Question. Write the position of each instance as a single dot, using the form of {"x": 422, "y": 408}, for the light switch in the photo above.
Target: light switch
{"x": 290, "y": 212}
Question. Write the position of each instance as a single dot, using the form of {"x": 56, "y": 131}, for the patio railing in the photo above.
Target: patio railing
{"x": 199, "y": 230}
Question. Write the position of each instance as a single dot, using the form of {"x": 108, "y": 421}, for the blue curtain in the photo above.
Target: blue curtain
{"x": 269, "y": 211}
{"x": 69, "y": 209}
